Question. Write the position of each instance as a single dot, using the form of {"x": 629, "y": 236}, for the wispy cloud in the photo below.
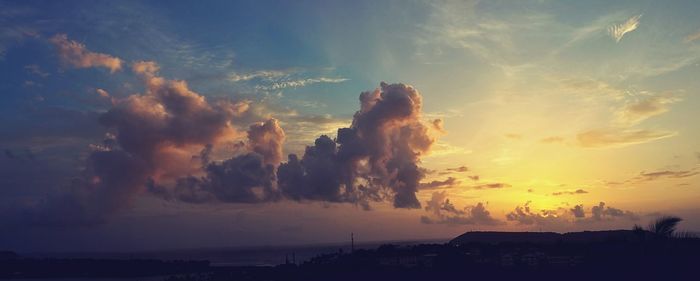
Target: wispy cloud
{"x": 436, "y": 184}
{"x": 619, "y": 30}
{"x": 496, "y": 185}
{"x": 263, "y": 74}
{"x": 692, "y": 37}
{"x": 616, "y": 137}
{"x": 78, "y": 56}
{"x": 299, "y": 83}
{"x": 270, "y": 80}
{"x": 569, "y": 192}
{"x": 639, "y": 110}
{"x": 645, "y": 176}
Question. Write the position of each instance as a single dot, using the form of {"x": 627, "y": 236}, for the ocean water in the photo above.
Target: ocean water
{"x": 231, "y": 256}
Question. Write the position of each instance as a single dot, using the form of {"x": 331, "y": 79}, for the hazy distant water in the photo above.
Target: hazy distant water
{"x": 239, "y": 256}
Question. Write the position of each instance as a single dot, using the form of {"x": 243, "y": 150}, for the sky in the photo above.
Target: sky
{"x": 144, "y": 125}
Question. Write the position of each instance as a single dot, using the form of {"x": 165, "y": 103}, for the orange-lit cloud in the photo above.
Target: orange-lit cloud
{"x": 78, "y": 56}
{"x": 692, "y": 37}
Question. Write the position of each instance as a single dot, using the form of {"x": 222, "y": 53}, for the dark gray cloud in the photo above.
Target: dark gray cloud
{"x": 578, "y": 191}
{"x": 442, "y": 211}
{"x": 449, "y": 182}
{"x": 375, "y": 158}
{"x": 527, "y": 216}
{"x": 578, "y": 211}
{"x": 602, "y": 212}
{"x": 241, "y": 179}
{"x": 495, "y": 185}
{"x": 657, "y": 175}
{"x": 460, "y": 169}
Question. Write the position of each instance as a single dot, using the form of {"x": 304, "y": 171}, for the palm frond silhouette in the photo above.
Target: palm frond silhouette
{"x": 664, "y": 226}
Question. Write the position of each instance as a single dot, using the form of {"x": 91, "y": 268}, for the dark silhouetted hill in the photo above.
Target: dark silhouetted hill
{"x": 494, "y": 237}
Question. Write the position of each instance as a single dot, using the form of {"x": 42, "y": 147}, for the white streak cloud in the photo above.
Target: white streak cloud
{"x": 619, "y": 30}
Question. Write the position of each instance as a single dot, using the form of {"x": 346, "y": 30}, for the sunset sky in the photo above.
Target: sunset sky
{"x": 135, "y": 125}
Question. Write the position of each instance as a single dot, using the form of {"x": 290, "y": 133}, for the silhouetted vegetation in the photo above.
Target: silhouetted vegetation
{"x": 659, "y": 252}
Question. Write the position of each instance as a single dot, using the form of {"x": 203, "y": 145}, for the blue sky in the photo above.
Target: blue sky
{"x": 536, "y": 97}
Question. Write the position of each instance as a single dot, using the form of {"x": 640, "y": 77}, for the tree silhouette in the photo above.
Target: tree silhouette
{"x": 665, "y": 226}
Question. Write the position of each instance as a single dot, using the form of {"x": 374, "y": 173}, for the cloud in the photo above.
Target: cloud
{"x": 617, "y": 137}
{"x": 442, "y": 211}
{"x": 449, "y": 182}
{"x": 650, "y": 176}
{"x": 36, "y": 70}
{"x": 491, "y": 185}
{"x": 263, "y": 74}
{"x": 153, "y": 138}
{"x": 147, "y": 69}
{"x": 619, "y": 30}
{"x": 635, "y": 112}
{"x": 460, "y": 169}
{"x": 277, "y": 85}
{"x": 102, "y": 93}
{"x": 241, "y": 179}
{"x": 578, "y": 191}
{"x": 601, "y": 212}
{"x": 266, "y": 138}
{"x": 161, "y": 142}
{"x": 78, "y": 56}
{"x": 657, "y": 175}
{"x": 524, "y": 215}
{"x": 578, "y": 211}
{"x": 588, "y": 87}
{"x": 692, "y": 37}
{"x": 378, "y": 154}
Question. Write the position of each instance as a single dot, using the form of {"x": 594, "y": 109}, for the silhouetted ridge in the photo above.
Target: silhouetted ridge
{"x": 495, "y": 237}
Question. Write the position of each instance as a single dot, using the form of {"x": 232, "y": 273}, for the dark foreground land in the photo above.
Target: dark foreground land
{"x": 622, "y": 254}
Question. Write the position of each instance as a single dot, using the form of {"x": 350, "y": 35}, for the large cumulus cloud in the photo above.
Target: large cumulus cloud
{"x": 376, "y": 158}
{"x": 152, "y": 138}
{"x": 172, "y": 142}
{"x": 160, "y": 143}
